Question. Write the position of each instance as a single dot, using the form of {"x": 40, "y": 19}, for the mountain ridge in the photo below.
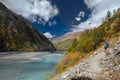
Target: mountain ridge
{"x": 66, "y": 37}
{"x": 64, "y": 42}
{"x": 16, "y": 34}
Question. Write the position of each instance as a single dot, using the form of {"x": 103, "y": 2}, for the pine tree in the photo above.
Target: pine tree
{"x": 108, "y": 15}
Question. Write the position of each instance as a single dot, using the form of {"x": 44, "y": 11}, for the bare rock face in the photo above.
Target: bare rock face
{"x": 16, "y": 34}
{"x": 102, "y": 65}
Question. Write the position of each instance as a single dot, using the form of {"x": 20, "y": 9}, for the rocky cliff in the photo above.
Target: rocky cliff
{"x": 16, "y": 34}
{"x": 102, "y": 65}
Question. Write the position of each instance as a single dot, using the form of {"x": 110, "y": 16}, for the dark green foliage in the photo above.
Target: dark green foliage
{"x": 88, "y": 41}
{"x": 108, "y": 14}
{"x": 17, "y": 35}
{"x": 72, "y": 47}
{"x": 91, "y": 39}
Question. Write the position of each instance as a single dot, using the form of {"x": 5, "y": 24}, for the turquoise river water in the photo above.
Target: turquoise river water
{"x": 19, "y": 67}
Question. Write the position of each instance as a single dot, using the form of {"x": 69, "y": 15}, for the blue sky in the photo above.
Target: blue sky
{"x": 66, "y": 17}
{"x": 55, "y": 18}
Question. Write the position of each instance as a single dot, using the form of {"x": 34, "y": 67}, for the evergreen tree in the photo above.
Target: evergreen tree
{"x": 108, "y": 15}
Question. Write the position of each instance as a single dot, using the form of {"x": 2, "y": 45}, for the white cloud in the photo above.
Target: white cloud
{"x": 80, "y": 15}
{"x": 51, "y": 23}
{"x": 32, "y": 9}
{"x": 99, "y": 10}
{"x": 49, "y": 35}
{"x": 92, "y": 3}
{"x": 77, "y": 18}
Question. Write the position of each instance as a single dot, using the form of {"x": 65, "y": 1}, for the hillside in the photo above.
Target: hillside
{"x": 91, "y": 39}
{"x": 89, "y": 44}
{"x": 102, "y": 65}
{"x": 64, "y": 45}
{"x": 66, "y": 37}
{"x": 16, "y": 34}
{"x": 65, "y": 41}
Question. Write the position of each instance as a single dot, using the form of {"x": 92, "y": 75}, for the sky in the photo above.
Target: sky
{"x": 55, "y": 18}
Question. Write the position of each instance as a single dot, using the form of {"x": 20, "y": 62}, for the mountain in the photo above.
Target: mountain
{"x": 64, "y": 42}
{"x": 87, "y": 60}
{"x": 66, "y": 37}
{"x": 64, "y": 45}
{"x": 91, "y": 39}
{"x": 16, "y": 34}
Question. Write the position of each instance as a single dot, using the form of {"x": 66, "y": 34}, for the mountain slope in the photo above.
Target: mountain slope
{"x": 16, "y": 34}
{"x": 90, "y": 41}
{"x": 64, "y": 45}
{"x": 102, "y": 65}
{"x": 65, "y": 41}
{"x": 66, "y": 37}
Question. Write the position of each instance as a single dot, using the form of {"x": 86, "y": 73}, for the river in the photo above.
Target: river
{"x": 28, "y": 65}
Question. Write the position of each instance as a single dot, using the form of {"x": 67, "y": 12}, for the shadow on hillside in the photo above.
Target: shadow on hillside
{"x": 82, "y": 78}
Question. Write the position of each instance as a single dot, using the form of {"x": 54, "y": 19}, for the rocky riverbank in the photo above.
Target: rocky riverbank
{"x": 102, "y": 65}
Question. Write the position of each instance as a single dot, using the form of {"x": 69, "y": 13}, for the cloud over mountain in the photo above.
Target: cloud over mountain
{"x": 61, "y": 15}
{"x": 49, "y": 35}
{"x": 32, "y": 9}
{"x": 99, "y": 10}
